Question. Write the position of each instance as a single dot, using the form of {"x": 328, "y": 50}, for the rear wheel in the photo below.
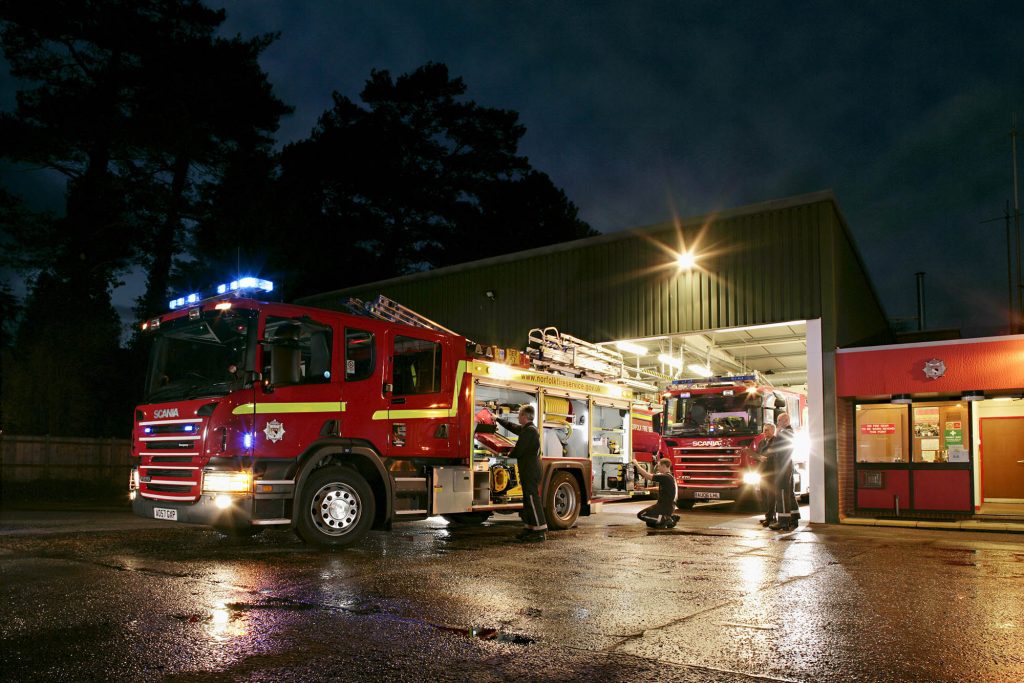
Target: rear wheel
{"x": 467, "y": 518}
{"x": 336, "y": 507}
{"x": 562, "y": 501}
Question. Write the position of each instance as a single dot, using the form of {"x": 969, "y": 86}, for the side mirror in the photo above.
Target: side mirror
{"x": 656, "y": 422}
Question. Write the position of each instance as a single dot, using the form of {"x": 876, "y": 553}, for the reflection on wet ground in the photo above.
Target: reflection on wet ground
{"x": 717, "y": 598}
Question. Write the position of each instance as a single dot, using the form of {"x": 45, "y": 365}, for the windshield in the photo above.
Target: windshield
{"x": 200, "y": 357}
{"x": 713, "y": 415}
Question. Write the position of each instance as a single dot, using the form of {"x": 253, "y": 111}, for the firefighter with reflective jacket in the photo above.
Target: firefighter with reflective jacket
{"x": 781, "y": 455}
{"x": 527, "y": 456}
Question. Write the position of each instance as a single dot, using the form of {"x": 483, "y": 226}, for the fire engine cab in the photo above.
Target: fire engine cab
{"x": 265, "y": 414}
{"x": 708, "y": 428}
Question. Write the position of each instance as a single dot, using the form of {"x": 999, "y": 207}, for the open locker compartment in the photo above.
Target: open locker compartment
{"x": 495, "y": 475}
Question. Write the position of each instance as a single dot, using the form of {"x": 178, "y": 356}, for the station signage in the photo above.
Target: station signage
{"x": 878, "y": 428}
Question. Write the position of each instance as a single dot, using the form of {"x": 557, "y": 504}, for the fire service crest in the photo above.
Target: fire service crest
{"x": 274, "y": 431}
{"x": 934, "y": 368}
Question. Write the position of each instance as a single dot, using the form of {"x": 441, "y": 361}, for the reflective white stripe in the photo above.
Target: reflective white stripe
{"x": 169, "y": 438}
{"x": 177, "y": 482}
{"x": 159, "y": 497}
{"x": 267, "y": 522}
{"x": 169, "y": 453}
{"x": 166, "y": 467}
{"x": 170, "y": 422}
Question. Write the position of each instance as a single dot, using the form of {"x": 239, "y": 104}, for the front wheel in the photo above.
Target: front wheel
{"x": 562, "y": 501}
{"x": 336, "y": 507}
{"x": 685, "y": 503}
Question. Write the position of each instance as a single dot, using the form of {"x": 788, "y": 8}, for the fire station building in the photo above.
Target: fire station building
{"x": 778, "y": 288}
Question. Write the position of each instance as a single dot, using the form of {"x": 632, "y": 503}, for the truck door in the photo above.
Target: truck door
{"x": 302, "y": 395}
{"x": 419, "y": 390}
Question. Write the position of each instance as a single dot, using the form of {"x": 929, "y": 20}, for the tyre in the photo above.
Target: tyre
{"x": 467, "y": 518}
{"x": 336, "y": 507}
{"x": 685, "y": 503}
{"x": 562, "y": 501}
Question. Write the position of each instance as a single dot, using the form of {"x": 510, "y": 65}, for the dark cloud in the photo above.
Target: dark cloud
{"x": 635, "y": 108}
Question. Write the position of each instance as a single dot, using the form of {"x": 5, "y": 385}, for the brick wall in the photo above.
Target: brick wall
{"x": 844, "y": 445}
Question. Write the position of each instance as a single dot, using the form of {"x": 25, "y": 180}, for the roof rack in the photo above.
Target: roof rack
{"x": 550, "y": 349}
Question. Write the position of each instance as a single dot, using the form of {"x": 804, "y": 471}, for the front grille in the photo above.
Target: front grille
{"x": 170, "y": 458}
{"x": 169, "y": 488}
{"x": 708, "y": 468}
{"x": 164, "y": 474}
{"x": 169, "y": 445}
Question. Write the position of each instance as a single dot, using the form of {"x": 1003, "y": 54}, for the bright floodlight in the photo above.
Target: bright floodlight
{"x": 630, "y": 347}
{"x": 697, "y": 369}
{"x": 670, "y": 361}
{"x": 686, "y": 260}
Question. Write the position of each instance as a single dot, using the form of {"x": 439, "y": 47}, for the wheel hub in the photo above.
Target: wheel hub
{"x": 335, "y": 508}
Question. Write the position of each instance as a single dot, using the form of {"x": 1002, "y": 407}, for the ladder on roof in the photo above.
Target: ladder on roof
{"x": 550, "y": 349}
{"x": 390, "y": 310}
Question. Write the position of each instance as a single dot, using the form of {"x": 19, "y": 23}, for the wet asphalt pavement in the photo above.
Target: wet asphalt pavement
{"x": 101, "y": 595}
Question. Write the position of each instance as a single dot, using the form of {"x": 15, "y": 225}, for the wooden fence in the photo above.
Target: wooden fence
{"x": 97, "y": 462}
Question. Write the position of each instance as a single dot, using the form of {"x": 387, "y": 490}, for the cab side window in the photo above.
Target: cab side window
{"x": 417, "y": 366}
{"x": 359, "y": 354}
{"x": 297, "y": 351}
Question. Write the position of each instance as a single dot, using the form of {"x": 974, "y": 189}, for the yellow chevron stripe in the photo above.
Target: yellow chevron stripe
{"x": 460, "y": 372}
{"x": 266, "y": 408}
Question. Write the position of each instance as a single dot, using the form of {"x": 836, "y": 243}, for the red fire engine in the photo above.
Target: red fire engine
{"x": 267, "y": 414}
{"x": 707, "y": 428}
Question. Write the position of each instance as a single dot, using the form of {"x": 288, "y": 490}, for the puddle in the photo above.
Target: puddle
{"x": 270, "y": 603}
{"x": 489, "y": 634}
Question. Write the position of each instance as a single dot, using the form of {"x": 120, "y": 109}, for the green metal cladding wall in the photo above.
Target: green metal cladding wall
{"x": 759, "y": 264}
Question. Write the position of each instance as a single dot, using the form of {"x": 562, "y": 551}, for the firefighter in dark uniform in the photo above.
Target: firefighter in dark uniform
{"x": 527, "y": 456}
{"x": 766, "y": 468}
{"x": 781, "y": 452}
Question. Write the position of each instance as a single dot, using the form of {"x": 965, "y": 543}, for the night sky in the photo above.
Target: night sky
{"x": 644, "y": 109}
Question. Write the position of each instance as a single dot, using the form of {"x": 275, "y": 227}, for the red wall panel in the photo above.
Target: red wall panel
{"x": 973, "y": 365}
{"x": 897, "y": 483}
{"x": 942, "y": 490}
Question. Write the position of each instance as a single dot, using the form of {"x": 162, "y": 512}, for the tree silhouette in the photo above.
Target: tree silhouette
{"x": 415, "y": 177}
{"x": 205, "y": 103}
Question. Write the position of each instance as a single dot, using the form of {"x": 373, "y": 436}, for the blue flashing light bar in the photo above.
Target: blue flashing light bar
{"x": 246, "y": 283}
{"x": 240, "y": 285}
{"x": 716, "y": 379}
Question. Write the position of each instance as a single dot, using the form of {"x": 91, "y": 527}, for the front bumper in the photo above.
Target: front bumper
{"x": 203, "y": 511}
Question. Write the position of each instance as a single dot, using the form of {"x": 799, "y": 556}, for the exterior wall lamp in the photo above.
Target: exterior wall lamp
{"x": 901, "y": 398}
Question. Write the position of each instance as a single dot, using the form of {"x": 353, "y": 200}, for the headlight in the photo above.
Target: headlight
{"x": 133, "y": 479}
{"x": 751, "y": 478}
{"x": 227, "y": 482}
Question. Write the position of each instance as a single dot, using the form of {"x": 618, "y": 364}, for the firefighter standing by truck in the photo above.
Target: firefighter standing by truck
{"x": 527, "y": 456}
{"x": 781, "y": 456}
{"x": 767, "y": 472}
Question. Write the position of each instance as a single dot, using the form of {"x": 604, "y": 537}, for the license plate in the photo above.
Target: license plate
{"x": 164, "y": 513}
{"x": 707, "y": 494}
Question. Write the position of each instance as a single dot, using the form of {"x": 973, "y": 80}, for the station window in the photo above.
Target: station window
{"x": 882, "y": 433}
{"x": 359, "y": 354}
{"x": 417, "y": 366}
{"x": 941, "y": 432}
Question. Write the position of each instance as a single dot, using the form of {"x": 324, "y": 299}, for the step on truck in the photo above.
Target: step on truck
{"x": 261, "y": 414}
